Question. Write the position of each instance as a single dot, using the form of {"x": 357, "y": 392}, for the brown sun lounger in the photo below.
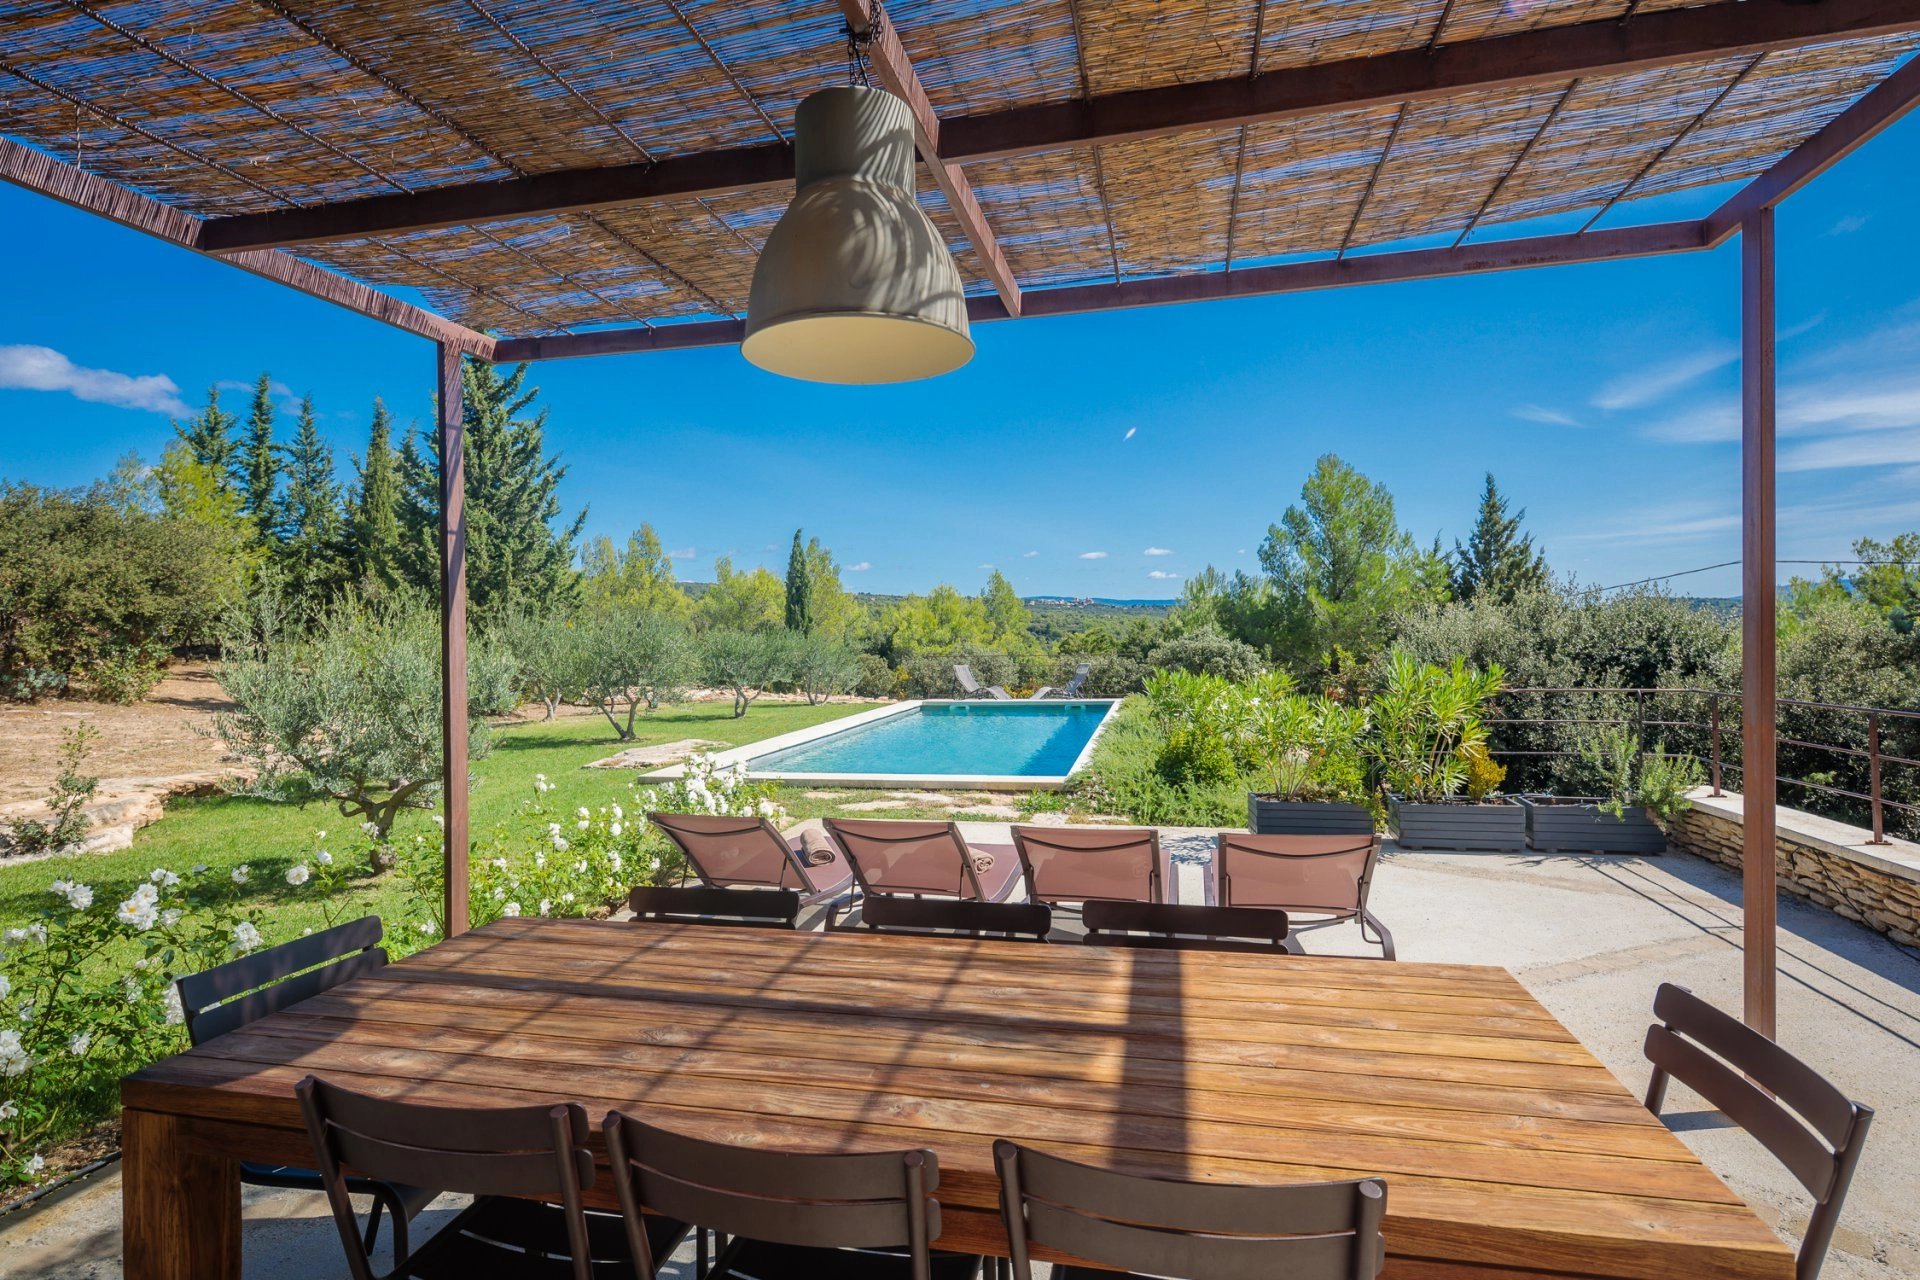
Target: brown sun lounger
{"x": 1324, "y": 877}
{"x": 732, "y": 853}
{"x": 1094, "y": 864}
{"x": 895, "y": 856}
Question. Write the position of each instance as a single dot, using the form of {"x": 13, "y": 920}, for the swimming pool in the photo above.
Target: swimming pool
{"x": 999, "y": 744}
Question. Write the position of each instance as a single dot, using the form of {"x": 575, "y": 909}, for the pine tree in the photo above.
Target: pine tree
{"x": 208, "y": 436}
{"x": 311, "y": 532}
{"x": 640, "y": 577}
{"x": 799, "y": 588}
{"x": 516, "y": 556}
{"x": 374, "y": 530}
{"x": 1497, "y": 559}
{"x": 1006, "y": 611}
{"x": 256, "y": 465}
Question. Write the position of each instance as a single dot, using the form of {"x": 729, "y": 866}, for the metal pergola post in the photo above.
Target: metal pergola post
{"x": 1758, "y": 597}
{"x": 453, "y": 635}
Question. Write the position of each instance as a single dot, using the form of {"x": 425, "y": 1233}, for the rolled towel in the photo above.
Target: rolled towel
{"x": 816, "y": 847}
{"x": 982, "y": 862}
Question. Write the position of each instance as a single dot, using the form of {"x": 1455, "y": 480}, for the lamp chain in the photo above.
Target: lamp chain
{"x": 860, "y": 45}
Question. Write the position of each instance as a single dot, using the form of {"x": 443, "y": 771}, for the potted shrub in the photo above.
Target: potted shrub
{"x": 1429, "y": 741}
{"x": 1308, "y": 751}
{"x": 1645, "y": 791}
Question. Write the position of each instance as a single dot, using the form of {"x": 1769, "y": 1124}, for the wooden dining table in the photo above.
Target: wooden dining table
{"x": 1509, "y": 1151}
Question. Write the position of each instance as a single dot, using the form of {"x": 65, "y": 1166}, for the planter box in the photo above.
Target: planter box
{"x": 1556, "y": 825}
{"x": 1268, "y": 816}
{"x": 1494, "y": 825}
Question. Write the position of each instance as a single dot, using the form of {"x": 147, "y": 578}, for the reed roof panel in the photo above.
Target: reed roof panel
{"x": 225, "y": 107}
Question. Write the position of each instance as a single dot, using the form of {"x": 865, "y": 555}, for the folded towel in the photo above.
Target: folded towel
{"x": 816, "y": 847}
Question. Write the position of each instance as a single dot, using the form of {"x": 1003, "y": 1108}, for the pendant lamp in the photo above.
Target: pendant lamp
{"x": 855, "y": 285}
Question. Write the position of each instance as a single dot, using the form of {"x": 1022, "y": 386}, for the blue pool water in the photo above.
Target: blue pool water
{"x": 1003, "y": 739}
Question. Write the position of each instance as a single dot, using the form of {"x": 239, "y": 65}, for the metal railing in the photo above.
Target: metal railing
{"x": 1862, "y": 780}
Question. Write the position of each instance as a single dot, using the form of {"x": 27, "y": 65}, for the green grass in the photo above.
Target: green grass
{"x": 225, "y": 831}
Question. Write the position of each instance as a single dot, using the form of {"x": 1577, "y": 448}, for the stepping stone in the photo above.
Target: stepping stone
{"x": 659, "y": 754}
{"x": 826, "y": 795}
{"x": 874, "y": 806}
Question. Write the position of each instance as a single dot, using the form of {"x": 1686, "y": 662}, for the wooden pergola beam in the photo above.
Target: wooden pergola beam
{"x": 1547, "y": 55}
{"x": 896, "y": 72}
{"x": 1875, "y": 111}
{"x": 1250, "y": 282}
{"x": 38, "y": 172}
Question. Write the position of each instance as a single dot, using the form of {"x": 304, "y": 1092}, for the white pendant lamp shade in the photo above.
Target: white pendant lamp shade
{"x": 855, "y": 285}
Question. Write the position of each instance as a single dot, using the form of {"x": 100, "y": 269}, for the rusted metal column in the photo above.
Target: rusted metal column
{"x": 1873, "y": 777}
{"x": 1713, "y": 703}
{"x": 453, "y": 635}
{"x": 1758, "y": 731}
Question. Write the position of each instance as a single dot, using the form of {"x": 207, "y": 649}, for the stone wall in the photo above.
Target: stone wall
{"x": 1825, "y": 862}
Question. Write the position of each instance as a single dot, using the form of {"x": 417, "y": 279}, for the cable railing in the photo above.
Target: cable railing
{"x": 1873, "y": 757}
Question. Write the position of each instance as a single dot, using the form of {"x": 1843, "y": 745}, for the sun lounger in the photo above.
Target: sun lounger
{"x": 727, "y": 853}
{"x": 1327, "y": 877}
{"x": 973, "y": 689}
{"x": 894, "y": 856}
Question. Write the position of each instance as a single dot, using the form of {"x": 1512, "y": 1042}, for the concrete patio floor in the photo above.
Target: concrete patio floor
{"x": 1590, "y": 936}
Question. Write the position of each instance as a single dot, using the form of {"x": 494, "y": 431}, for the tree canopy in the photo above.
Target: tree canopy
{"x": 1497, "y": 559}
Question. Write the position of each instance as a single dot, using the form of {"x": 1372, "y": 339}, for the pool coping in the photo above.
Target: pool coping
{"x": 943, "y": 781}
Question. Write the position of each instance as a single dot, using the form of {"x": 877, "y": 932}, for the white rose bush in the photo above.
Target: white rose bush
{"x": 87, "y": 995}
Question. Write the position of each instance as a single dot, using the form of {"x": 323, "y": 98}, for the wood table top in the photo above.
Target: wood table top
{"x": 1508, "y": 1149}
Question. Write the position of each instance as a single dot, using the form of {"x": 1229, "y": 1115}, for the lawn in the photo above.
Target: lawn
{"x": 225, "y": 831}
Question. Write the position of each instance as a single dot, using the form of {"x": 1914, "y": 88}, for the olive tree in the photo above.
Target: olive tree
{"x": 750, "y": 662}
{"x": 822, "y": 668}
{"x": 625, "y": 660}
{"x": 546, "y": 657}
{"x": 349, "y": 708}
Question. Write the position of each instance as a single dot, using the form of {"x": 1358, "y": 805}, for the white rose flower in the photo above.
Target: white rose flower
{"x": 130, "y": 985}
{"x": 614, "y": 858}
{"x": 429, "y": 928}
{"x": 580, "y": 867}
{"x": 567, "y": 898}
{"x": 241, "y": 874}
{"x": 324, "y": 858}
{"x": 200, "y": 868}
{"x": 6, "y": 987}
{"x": 540, "y": 857}
{"x": 499, "y": 864}
{"x": 8, "y": 1111}
{"x": 511, "y": 910}
{"x": 614, "y": 830}
{"x": 439, "y": 821}
{"x": 137, "y": 912}
{"x": 79, "y": 1044}
{"x": 583, "y": 824}
{"x": 560, "y": 844}
{"x": 175, "y": 1013}
{"x": 170, "y": 917}
{"x": 164, "y": 878}
{"x": 79, "y": 896}
{"x": 499, "y": 894}
{"x": 619, "y": 814}
{"x": 245, "y": 936}
{"x": 297, "y": 874}
{"x": 33, "y": 1166}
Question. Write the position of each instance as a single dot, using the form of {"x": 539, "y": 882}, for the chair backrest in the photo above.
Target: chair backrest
{"x": 1190, "y": 1230}
{"x": 233, "y": 994}
{"x": 537, "y": 1152}
{"x": 730, "y": 852}
{"x": 1800, "y": 1116}
{"x": 891, "y": 855}
{"x": 1328, "y": 875}
{"x": 964, "y": 674}
{"x": 1085, "y": 864}
{"x": 936, "y": 916}
{"x": 1080, "y": 671}
{"x": 701, "y": 904}
{"x": 1167, "y": 927}
{"x": 882, "y": 1200}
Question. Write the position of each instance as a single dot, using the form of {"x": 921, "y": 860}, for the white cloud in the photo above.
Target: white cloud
{"x": 1093, "y": 555}
{"x": 684, "y": 553}
{"x": 1163, "y": 576}
{"x": 1702, "y": 424}
{"x": 1156, "y": 551}
{"x": 1849, "y": 224}
{"x": 28, "y": 368}
{"x": 1642, "y": 387}
{"x": 1129, "y": 435}
{"x": 862, "y": 567}
{"x": 278, "y": 390}
{"x": 987, "y": 566}
{"x": 1028, "y": 555}
{"x": 1660, "y": 524}
{"x": 1541, "y": 414}
{"x": 1242, "y": 551}
{"x": 1871, "y": 449}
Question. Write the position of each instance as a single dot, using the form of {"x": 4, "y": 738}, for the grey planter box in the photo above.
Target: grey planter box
{"x": 1267, "y": 816}
{"x": 1556, "y": 825}
{"x": 1459, "y": 824}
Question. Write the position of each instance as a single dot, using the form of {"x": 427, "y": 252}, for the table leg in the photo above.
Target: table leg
{"x": 179, "y": 1202}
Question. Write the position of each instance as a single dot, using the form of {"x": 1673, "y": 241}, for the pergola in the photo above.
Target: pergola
{"x": 596, "y": 177}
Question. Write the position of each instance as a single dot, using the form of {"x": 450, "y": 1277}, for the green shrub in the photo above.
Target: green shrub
{"x": 876, "y": 678}
{"x": 1427, "y": 725}
{"x": 1629, "y": 777}
{"x": 66, "y": 802}
{"x": 124, "y": 674}
{"x": 1207, "y": 652}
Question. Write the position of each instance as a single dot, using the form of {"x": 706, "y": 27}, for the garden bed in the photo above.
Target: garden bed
{"x": 1492, "y": 825}
{"x": 1272, "y": 816}
{"x": 1557, "y": 824}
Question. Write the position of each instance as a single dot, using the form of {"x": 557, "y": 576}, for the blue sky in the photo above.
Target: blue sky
{"x": 1114, "y": 454}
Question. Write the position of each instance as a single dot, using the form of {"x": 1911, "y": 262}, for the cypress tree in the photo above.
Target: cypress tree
{"x": 208, "y": 436}
{"x": 375, "y": 510}
{"x": 1497, "y": 558}
{"x": 256, "y": 466}
{"x": 310, "y": 531}
{"x": 799, "y": 588}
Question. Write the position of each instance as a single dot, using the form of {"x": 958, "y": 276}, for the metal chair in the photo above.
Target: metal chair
{"x": 524, "y": 1166}
{"x": 1166, "y": 927}
{"x": 1327, "y": 878}
{"x": 1166, "y": 1227}
{"x": 1087, "y": 864}
{"x": 950, "y": 917}
{"x": 733, "y": 853}
{"x": 739, "y": 908}
{"x": 1811, "y": 1127}
{"x": 865, "y": 1217}
{"x": 229, "y": 996}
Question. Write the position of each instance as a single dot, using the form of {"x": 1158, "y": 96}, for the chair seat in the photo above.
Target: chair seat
{"x": 759, "y": 1260}
{"x": 824, "y": 879}
{"x": 997, "y": 881}
{"x": 510, "y": 1239}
